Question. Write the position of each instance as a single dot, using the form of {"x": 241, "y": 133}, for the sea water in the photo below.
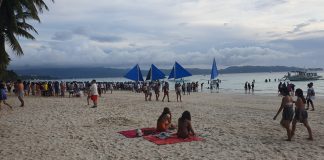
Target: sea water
{"x": 234, "y": 83}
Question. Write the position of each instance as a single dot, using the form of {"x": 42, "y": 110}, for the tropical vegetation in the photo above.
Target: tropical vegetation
{"x": 14, "y": 15}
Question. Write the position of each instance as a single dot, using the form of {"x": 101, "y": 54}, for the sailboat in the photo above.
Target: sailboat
{"x": 135, "y": 74}
{"x": 214, "y": 71}
{"x": 154, "y": 74}
{"x": 213, "y": 75}
{"x": 178, "y": 72}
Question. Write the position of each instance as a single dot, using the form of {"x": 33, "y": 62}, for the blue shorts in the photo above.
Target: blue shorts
{"x": 21, "y": 94}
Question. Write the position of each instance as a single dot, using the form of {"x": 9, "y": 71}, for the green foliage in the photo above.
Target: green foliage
{"x": 8, "y": 76}
{"x": 13, "y": 17}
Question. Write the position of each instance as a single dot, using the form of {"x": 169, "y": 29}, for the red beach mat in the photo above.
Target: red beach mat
{"x": 132, "y": 133}
{"x": 171, "y": 140}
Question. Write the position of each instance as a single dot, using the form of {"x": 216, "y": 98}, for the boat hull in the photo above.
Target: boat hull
{"x": 303, "y": 78}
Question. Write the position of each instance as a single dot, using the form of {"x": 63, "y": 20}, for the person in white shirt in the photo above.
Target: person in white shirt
{"x": 310, "y": 96}
{"x": 94, "y": 93}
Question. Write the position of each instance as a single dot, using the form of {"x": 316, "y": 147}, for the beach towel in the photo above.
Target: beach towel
{"x": 170, "y": 140}
{"x": 133, "y": 133}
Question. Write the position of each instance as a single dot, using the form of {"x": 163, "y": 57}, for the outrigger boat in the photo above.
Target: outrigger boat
{"x": 301, "y": 76}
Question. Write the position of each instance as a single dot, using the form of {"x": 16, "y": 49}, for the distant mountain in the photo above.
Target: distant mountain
{"x": 114, "y": 72}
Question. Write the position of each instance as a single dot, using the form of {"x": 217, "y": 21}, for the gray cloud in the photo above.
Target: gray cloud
{"x": 62, "y": 36}
{"x": 123, "y": 33}
{"x": 105, "y": 38}
{"x": 262, "y": 4}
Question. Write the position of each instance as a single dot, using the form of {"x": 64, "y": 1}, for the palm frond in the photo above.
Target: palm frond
{"x": 24, "y": 25}
{"x": 25, "y": 34}
{"x": 13, "y": 43}
{"x": 4, "y": 57}
{"x": 27, "y": 15}
{"x": 41, "y": 4}
{"x": 30, "y": 8}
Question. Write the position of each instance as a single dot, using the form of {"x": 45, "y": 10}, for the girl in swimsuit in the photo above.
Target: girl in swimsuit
{"x": 164, "y": 121}
{"x": 184, "y": 125}
{"x": 301, "y": 114}
{"x": 287, "y": 111}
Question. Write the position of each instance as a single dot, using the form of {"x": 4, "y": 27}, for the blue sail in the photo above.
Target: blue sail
{"x": 214, "y": 71}
{"x": 154, "y": 74}
{"x": 135, "y": 74}
{"x": 178, "y": 72}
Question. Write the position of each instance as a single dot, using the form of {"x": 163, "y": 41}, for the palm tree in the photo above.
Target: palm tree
{"x": 13, "y": 16}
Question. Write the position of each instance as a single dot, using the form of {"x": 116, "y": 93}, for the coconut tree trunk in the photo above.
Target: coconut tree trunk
{"x": 4, "y": 57}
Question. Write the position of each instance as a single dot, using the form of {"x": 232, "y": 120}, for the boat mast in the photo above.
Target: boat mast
{"x": 137, "y": 72}
{"x": 152, "y": 73}
{"x": 174, "y": 66}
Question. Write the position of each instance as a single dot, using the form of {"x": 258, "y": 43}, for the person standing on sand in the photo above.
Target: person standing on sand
{"x": 183, "y": 87}
{"x": 165, "y": 89}
{"x": 157, "y": 91}
{"x": 310, "y": 96}
{"x": 188, "y": 88}
{"x": 178, "y": 91}
{"x": 111, "y": 87}
{"x": 287, "y": 112}
{"x": 94, "y": 93}
{"x": 149, "y": 91}
{"x": 20, "y": 92}
{"x": 3, "y": 96}
{"x": 301, "y": 114}
{"x": 62, "y": 88}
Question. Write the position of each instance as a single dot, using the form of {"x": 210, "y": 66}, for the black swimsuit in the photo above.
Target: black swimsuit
{"x": 301, "y": 115}
{"x": 288, "y": 112}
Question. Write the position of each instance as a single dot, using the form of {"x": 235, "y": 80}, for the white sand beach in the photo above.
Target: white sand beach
{"x": 234, "y": 127}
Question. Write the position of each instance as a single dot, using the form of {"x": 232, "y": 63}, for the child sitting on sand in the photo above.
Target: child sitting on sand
{"x": 184, "y": 125}
{"x": 164, "y": 121}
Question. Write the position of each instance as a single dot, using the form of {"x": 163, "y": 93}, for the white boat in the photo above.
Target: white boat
{"x": 301, "y": 76}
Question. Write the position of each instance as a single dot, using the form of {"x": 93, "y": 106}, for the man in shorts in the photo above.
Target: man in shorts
{"x": 20, "y": 92}
{"x": 94, "y": 93}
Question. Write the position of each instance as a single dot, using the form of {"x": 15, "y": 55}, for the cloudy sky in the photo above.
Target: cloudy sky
{"x": 121, "y": 33}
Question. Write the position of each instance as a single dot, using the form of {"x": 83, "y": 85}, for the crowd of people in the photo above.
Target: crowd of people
{"x": 248, "y": 86}
{"x": 79, "y": 89}
{"x": 93, "y": 90}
